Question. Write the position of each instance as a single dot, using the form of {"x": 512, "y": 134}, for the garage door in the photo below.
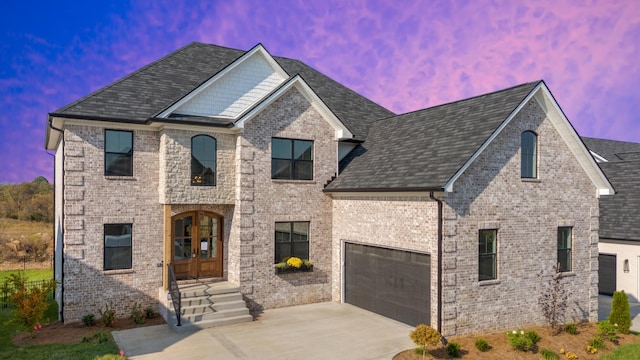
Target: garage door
{"x": 607, "y": 274}
{"x": 392, "y": 283}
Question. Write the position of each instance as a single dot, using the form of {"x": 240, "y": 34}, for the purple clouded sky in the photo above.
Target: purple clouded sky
{"x": 403, "y": 55}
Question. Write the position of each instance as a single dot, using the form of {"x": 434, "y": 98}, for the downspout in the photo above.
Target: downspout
{"x": 61, "y": 309}
{"x": 439, "y": 301}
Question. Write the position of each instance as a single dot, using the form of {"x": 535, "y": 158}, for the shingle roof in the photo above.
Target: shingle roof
{"x": 148, "y": 91}
{"x": 619, "y": 214}
{"x": 422, "y": 150}
{"x": 613, "y": 150}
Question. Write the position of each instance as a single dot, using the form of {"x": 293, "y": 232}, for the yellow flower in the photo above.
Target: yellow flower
{"x": 294, "y": 262}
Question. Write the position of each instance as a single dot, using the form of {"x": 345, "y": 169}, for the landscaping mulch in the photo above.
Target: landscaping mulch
{"x": 500, "y": 349}
{"x": 73, "y": 333}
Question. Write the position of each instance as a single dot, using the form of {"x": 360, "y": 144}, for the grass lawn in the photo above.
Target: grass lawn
{"x": 624, "y": 352}
{"x": 32, "y": 275}
{"x": 8, "y": 350}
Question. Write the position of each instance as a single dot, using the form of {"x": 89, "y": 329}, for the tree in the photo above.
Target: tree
{"x": 424, "y": 335}
{"x": 553, "y": 299}
{"x": 620, "y": 314}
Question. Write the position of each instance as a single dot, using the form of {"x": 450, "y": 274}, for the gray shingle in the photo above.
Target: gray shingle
{"x": 424, "y": 149}
{"x": 613, "y": 150}
{"x": 620, "y": 213}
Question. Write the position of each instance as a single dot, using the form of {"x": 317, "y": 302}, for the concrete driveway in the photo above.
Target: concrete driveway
{"x": 315, "y": 331}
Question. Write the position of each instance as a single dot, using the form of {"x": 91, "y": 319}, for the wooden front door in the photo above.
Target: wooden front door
{"x": 197, "y": 245}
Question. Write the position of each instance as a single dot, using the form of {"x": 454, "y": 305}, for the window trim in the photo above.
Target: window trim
{"x": 567, "y": 250}
{"x": 533, "y": 158}
{"x": 104, "y": 249}
{"x": 291, "y": 241}
{"x": 130, "y": 153}
{"x": 215, "y": 159}
{"x": 292, "y": 160}
{"x": 494, "y": 255}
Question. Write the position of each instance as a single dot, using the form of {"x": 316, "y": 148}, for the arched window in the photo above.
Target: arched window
{"x": 203, "y": 160}
{"x": 529, "y": 155}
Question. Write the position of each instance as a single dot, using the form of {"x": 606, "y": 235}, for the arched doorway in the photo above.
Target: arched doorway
{"x": 197, "y": 244}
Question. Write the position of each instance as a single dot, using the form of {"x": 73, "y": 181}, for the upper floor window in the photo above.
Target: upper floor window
{"x": 529, "y": 155}
{"x": 488, "y": 250}
{"x": 117, "y": 246}
{"x": 118, "y": 153}
{"x": 291, "y": 159}
{"x": 203, "y": 160}
{"x": 564, "y": 248}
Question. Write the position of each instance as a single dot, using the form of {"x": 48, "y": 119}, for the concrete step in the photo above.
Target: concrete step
{"x": 212, "y": 307}
{"x": 215, "y": 314}
{"x": 199, "y": 290}
{"x": 210, "y": 299}
{"x": 205, "y": 324}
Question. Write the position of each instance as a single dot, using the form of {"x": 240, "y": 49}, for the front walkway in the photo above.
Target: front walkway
{"x": 315, "y": 331}
{"x": 604, "y": 308}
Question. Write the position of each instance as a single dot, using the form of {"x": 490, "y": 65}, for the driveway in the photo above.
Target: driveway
{"x": 315, "y": 331}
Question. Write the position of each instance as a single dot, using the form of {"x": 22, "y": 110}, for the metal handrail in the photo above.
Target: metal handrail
{"x": 176, "y": 297}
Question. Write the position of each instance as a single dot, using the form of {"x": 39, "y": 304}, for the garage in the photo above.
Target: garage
{"x": 389, "y": 282}
{"x": 606, "y": 274}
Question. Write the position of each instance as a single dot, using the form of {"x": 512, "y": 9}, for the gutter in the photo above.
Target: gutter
{"x": 61, "y": 305}
{"x": 439, "y": 301}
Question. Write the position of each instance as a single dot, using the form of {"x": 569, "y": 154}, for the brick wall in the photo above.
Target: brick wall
{"x": 92, "y": 200}
{"x": 261, "y": 202}
{"x": 527, "y": 213}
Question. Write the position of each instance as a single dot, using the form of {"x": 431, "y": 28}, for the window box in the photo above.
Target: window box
{"x": 293, "y": 265}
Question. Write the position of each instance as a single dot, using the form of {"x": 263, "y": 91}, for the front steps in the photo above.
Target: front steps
{"x": 208, "y": 304}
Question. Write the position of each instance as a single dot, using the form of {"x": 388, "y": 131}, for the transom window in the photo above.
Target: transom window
{"x": 203, "y": 160}
{"x": 118, "y": 153}
{"x": 117, "y": 246}
{"x": 529, "y": 155}
{"x": 292, "y": 239}
{"x": 291, "y": 159}
{"x": 488, "y": 241}
{"x": 564, "y": 248}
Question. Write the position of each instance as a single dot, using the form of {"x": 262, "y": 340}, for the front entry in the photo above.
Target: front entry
{"x": 197, "y": 245}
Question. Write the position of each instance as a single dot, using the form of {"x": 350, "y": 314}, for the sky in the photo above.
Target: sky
{"x": 404, "y": 55}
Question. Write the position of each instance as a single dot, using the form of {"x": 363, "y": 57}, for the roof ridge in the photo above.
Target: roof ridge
{"x": 128, "y": 76}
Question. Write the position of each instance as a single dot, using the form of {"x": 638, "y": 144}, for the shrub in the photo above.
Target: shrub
{"x": 424, "y": 335}
{"x": 519, "y": 340}
{"x": 149, "y": 313}
{"x": 571, "y": 328}
{"x": 89, "y": 319}
{"x": 549, "y": 354}
{"x": 596, "y": 343}
{"x": 620, "y": 312}
{"x": 137, "y": 314}
{"x": 553, "y": 299}
{"x": 108, "y": 316}
{"x": 482, "y": 345}
{"x": 99, "y": 337}
{"x": 608, "y": 330}
{"x": 453, "y": 349}
{"x": 30, "y": 304}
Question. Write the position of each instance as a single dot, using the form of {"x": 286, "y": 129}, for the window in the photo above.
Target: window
{"x": 529, "y": 155}
{"x": 203, "y": 160}
{"x": 118, "y": 153}
{"x": 488, "y": 240}
{"x": 564, "y": 248}
{"x": 117, "y": 246}
{"x": 291, "y": 159}
{"x": 292, "y": 239}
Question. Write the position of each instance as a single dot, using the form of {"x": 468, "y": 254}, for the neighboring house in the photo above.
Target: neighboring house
{"x": 619, "y": 216}
{"x": 223, "y": 162}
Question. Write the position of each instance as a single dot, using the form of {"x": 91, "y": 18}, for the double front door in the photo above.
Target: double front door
{"x": 197, "y": 245}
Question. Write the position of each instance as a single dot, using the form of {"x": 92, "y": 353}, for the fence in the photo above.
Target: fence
{"x": 7, "y": 289}
{"x": 26, "y": 262}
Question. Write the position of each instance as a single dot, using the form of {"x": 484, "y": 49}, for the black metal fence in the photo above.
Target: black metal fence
{"x": 8, "y": 289}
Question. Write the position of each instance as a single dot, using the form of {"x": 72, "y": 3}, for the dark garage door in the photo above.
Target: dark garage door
{"x": 607, "y": 274}
{"x": 392, "y": 283}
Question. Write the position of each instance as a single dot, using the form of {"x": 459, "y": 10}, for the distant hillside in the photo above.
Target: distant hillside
{"x": 29, "y": 201}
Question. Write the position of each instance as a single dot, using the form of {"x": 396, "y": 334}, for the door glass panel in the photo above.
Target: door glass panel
{"x": 208, "y": 237}
{"x": 182, "y": 238}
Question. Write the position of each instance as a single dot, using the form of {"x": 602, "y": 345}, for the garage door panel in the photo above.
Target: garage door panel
{"x": 392, "y": 283}
{"x": 607, "y": 273}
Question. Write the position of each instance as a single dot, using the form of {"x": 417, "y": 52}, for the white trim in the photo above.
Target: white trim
{"x": 598, "y": 157}
{"x": 258, "y": 49}
{"x": 551, "y": 108}
{"x": 341, "y": 131}
{"x": 384, "y": 194}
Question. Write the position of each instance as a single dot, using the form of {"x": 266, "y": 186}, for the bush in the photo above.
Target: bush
{"x": 620, "y": 313}
{"x": 608, "y": 330}
{"x": 424, "y": 335}
{"x": 482, "y": 345}
{"x": 571, "y": 329}
{"x": 137, "y": 314}
{"x": 108, "y": 316}
{"x": 149, "y": 313}
{"x": 553, "y": 299}
{"x": 519, "y": 340}
{"x": 453, "y": 349}
{"x": 596, "y": 343}
{"x": 89, "y": 319}
{"x": 549, "y": 354}
{"x": 30, "y": 303}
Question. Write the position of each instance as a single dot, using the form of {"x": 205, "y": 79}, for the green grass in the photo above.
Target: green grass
{"x": 8, "y": 329}
{"x": 32, "y": 275}
{"x": 624, "y": 352}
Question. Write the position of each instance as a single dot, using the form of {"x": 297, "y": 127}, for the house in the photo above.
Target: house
{"x": 619, "y": 222}
{"x": 217, "y": 163}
